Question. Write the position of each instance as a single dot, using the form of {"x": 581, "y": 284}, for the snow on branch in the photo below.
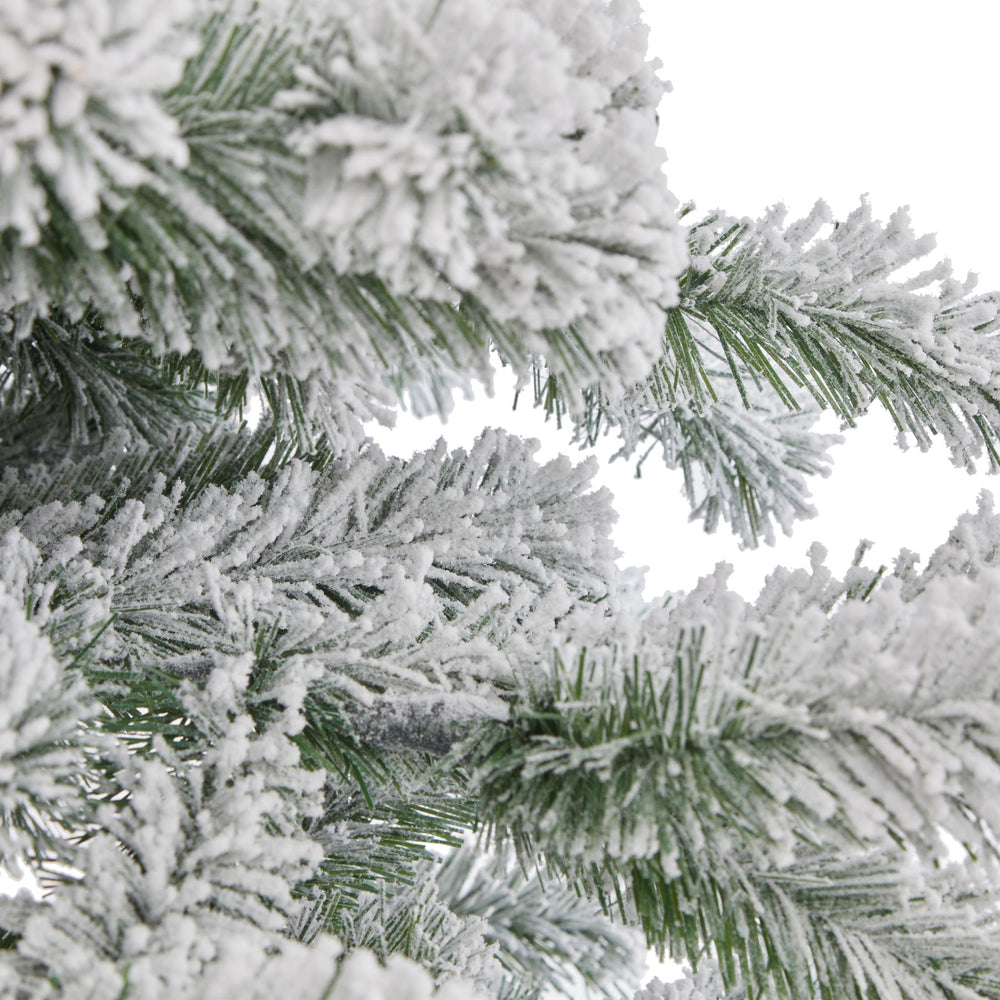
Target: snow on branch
{"x": 432, "y": 581}
{"x": 350, "y": 192}
{"x": 718, "y": 743}
{"x": 185, "y": 880}
{"x": 832, "y": 308}
{"x": 503, "y": 152}
{"x": 44, "y": 714}
{"x": 745, "y": 454}
{"x": 169, "y": 912}
{"x": 778, "y": 321}
{"x": 81, "y": 85}
{"x": 847, "y": 718}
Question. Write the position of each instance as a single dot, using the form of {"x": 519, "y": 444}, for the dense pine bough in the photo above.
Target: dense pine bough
{"x": 280, "y": 715}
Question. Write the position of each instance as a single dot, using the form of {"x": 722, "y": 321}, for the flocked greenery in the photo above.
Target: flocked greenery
{"x": 283, "y": 716}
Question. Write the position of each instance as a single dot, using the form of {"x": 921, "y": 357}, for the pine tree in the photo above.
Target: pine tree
{"x": 284, "y": 716}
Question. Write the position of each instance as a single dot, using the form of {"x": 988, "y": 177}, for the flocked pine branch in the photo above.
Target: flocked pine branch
{"x": 745, "y": 455}
{"x": 222, "y": 222}
{"x": 706, "y": 984}
{"x": 188, "y": 876}
{"x": 520, "y": 911}
{"x": 779, "y": 321}
{"x": 274, "y": 703}
{"x": 44, "y": 758}
{"x": 424, "y": 581}
{"x": 67, "y": 386}
{"x": 830, "y": 306}
{"x": 831, "y": 715}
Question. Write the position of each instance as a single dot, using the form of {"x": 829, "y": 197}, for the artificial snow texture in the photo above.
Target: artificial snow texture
{"x": 79, "y": 113}
{"x": 507, "y": 152}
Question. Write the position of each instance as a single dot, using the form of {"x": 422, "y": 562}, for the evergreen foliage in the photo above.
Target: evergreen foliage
{"x": 283, "y": 716}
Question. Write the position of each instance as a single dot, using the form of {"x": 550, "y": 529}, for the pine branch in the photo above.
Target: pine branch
{"x": 546, "y": 932}
{"x": 415, "y": 922}
{"x": 253, "y": 680}
{"x": 66, "y": 386}
{"x": 48, "y": 740}
{"x": 424, "y": 581}
{"x": 829, "y": 313}
{"x": 775, "y": 321}
{"x": 216, "y": 233}
{"x": 868, "y": 926}
{"x": 183, "y": 884}
{"x": 189, "y": 865}
{"x": 745, "y": 457}
{"x": 718, "y": 734}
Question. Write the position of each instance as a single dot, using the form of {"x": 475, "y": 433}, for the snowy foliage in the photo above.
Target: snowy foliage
{"x": 705, "y": 984}
{"x": 43, "y": 712}
{"x": 827, "y": 716}
{"x": 841, "y": 291}
{"x": 424, "y": 580}
{"x": 171, "y": 913}
{"x": 282, "y": 716}
{"x": 778, "y": 321}
{"x": 744, "y": 457}
{"x": 80, "y": 109}
{"x": 504, "y": 152}
{"x": 253, "y": 199}
{"x": 197, "y": 902}
{"x": 871, "y": 713}
{"x": 582, "y": 943}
